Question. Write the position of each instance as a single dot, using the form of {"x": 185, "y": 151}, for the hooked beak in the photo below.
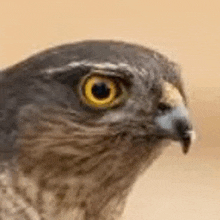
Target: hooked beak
{"x": 174, "y": 124}
{"x": 184, "y": 133}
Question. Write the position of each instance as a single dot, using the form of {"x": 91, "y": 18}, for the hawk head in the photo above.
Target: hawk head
{"x": 85, "y": 120}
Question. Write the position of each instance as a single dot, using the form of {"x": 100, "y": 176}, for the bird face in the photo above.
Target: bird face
{"x": 169, "y": 119}
{"x": 92, "y": 115}
{"x": 101, "y": 91}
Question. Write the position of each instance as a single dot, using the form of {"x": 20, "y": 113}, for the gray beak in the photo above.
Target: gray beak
{"x": 175, "y": 124}
{"x": 184, "y": 132}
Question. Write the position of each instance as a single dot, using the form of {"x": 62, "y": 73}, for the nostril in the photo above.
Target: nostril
{"x": 163, "y": 107}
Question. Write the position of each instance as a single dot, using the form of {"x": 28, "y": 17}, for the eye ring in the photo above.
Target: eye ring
{"x": 100, "y": 91}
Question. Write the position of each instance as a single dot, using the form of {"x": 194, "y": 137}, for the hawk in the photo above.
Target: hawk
{"x": 80, "y": 122}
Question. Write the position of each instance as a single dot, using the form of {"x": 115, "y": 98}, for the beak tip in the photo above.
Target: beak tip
{"x": 186, "y": 142}
{"x": 186, "y": 149}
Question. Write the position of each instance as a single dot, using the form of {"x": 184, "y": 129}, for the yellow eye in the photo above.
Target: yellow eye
{"x": 101, "y": 91}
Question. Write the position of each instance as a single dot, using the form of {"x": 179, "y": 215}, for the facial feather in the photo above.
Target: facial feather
{"x": 171, "y": 95}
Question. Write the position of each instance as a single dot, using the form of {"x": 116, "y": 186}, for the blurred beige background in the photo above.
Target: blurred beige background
{"x": 176, "y": 187}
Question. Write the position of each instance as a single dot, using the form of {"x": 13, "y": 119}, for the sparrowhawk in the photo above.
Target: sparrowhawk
{"x": 80, "y": 122}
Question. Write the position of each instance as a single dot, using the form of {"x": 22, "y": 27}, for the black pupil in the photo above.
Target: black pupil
{"x": 101, "y": 90}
